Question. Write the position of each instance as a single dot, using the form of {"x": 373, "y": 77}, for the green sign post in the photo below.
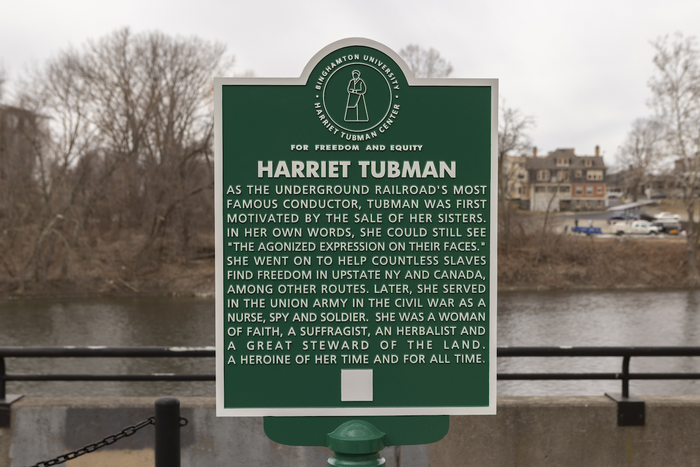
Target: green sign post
{"x": 356, "y": 247}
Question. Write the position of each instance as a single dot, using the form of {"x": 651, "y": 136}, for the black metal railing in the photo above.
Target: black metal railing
{"x": 101, "y": 352}
{"x": 625, "y": 352}
{"x": 207, "y": 352}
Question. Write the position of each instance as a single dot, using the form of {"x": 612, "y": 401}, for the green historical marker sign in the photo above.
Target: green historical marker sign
{"x": 356, "y": 240}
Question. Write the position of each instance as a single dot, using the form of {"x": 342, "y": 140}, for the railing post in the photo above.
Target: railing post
{"x": 626, "y": 376}
{"x": 167, "y": 432}
{"x": 630, "y": 410}
{"x": 6, "y": 400}
{"x": 3, "y": 394}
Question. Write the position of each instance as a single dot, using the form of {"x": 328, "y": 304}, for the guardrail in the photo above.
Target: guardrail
{"x": 101, "y": 352}
{"x": 630, "y": 410}
{"x": 202, "y": 352}
{"x": 625, "y": 402}
{"x": 625, "y": 352}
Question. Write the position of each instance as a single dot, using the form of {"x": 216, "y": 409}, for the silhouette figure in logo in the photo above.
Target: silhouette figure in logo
{"x": 356, "y": 109}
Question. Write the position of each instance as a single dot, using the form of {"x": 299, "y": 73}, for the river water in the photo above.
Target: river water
{"x": 109, "y": 322}
{"x": 610, "y": 318}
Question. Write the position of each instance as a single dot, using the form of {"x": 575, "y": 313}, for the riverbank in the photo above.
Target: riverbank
{"x": 570, "y": 262}
{"x": 533, "y": 262}
{"x": 107, "y": 267}
{"x": 187, "y": 279}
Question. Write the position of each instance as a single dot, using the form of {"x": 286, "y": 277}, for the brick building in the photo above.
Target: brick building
{"x": 563, "y": 181}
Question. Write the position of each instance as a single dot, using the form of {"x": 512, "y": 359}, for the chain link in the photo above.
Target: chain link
{"x": 128, "y": 431}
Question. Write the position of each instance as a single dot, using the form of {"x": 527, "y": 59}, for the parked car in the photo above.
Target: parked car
{"x": 586, "y": 230}
{"x": 622, "y": 218}
{"x": 668, "y": 226}
{"x": 636, "y": 227}
{"x": 667, "y": 215}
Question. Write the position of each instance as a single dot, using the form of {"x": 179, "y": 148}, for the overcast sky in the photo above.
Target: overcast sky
{"x": 580, "y": 68}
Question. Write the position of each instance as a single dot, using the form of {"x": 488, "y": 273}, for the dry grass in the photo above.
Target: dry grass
{"x": 558, "y": 261}
{"x": 107, "y": 265}
{"x": 104, "y": 265}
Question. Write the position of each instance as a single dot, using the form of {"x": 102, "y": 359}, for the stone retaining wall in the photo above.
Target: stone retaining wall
{"x": 536, "y": 431}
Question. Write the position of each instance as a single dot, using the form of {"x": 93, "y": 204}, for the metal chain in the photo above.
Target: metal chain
{"x": 128, "y": 431}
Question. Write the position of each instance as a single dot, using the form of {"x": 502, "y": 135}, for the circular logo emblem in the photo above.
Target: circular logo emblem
{"x": 357, "y": 97}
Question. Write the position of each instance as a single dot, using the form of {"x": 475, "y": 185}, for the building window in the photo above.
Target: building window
{"x": 539, "y": 189}
{"x": 588, "y": 163}
{"x": 594, "y": 175}
{"x": 563, "y": 175}
{"x": 543, "y": 175}
{"x": 579, "y": 190}
{"x": 562, "y": 161}
{"x": 565, "y": 189}
{"x": 578, "y": 174}
{"x": 600, "y": 189}
{"x": 589, "y": 190}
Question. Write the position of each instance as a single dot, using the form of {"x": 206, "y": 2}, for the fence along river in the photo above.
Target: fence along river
{"x": 607, "y": 318}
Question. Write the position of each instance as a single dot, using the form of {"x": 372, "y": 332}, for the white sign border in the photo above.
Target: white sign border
{"x": 219, "y": 83}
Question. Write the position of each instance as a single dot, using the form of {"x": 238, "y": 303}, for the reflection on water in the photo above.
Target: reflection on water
{"x": 524, "y": 319}
{"x": 109, "y": 322}
{"x": 612, "y": 318}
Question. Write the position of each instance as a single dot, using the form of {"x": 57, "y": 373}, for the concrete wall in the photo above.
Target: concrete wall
{"x": 542, "y": 431}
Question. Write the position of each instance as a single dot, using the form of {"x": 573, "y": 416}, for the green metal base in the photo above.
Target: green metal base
{"x": 356, "y": 444}
{"x": 400, "y": 430}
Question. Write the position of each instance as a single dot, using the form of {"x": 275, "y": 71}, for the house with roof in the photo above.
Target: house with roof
{"x": 636, "y": 184}
{"x": 564, "y": 181}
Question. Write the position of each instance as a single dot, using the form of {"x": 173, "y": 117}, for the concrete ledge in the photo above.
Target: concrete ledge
{"x": 573, "y": 431}
{"x": 528, "y": 431}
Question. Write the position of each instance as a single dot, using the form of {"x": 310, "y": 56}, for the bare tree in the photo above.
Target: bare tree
{"x": 62, "y": 140}
{"x": 425, "y": 63}
{"x": 675, "y": 88}
{"x": 151, "y": 100}
{"x": 179, "y": 135}
{"x": 513, "y": 139}
{"x": 640, "y": 155}
{"x": 23, "y": 136}
{"x": 115, "y": 135}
